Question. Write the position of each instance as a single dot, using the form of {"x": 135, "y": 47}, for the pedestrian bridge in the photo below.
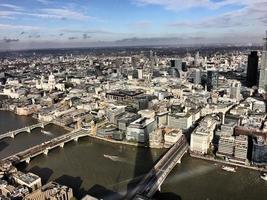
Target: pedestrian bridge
{"x": 12, "y": 134}
{"x": 45, "y": 147}
{"x": 154, "y": 179}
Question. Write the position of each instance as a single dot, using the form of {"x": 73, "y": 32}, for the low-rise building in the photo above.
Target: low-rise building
{"x": 180, "y": 120}
{"x": 140, "y": 129}
{"x": 51, "y": 191}
{"x": 30, "y": 180}
{"x": 201, "y": 138}
{"x": 241, "y": 149}
{"x": 125, "y": 119}
{"x": 172, "y": 137}
{"x": 162, "y": 118}
{"x": 114, "y": 112}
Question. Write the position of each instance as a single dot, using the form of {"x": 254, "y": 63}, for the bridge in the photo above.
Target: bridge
{"x": 45, "y": 147}
{"x": 12, "y": 134}
{"x": 154, "y": 179}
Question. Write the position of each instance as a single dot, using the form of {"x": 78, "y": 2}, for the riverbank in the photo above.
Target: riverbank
{"x": 227, "y": 163}
{"x": 125, "y": 142}
{"x": 97, "y": 137}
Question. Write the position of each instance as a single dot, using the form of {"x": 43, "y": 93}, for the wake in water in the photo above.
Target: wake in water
{"x": 46, "y": 132}
{"x": 114, "y": 158}
{"x": 188, "y": 174}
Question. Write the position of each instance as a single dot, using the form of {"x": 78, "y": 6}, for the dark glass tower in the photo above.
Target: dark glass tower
{"x": 252, "y": 69}
{"x": 212, "y": 79}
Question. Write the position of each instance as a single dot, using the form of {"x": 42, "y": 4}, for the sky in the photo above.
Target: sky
{"x": 26, "y": 24}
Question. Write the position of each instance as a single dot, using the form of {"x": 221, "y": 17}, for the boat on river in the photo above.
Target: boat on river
{"x": 228, "y": 169}
{"x": 264, "y": 176}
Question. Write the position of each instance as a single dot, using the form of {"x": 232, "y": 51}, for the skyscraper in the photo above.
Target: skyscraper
{"x": 212, "y": 79}
{"x": 196, "y": 60}
{"x": 235, "y": 90}
{"x": 197, "y": 76}
{"x": 177, "y": 63}
{"x": 263, "y": 69}
{"x": 252, "y": 69}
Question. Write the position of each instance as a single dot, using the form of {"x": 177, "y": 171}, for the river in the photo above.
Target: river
{"x": 108, "y": 170}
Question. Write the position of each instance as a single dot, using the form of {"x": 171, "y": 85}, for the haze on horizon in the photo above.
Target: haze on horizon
{"x": 90, "y": 23}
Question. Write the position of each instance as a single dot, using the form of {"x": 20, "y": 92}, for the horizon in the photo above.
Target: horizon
{"x": 253, "y": 47}
{"x": 44, "y": 24}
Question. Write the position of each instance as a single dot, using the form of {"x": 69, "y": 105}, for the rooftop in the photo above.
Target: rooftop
{"x": 28, "y": 178}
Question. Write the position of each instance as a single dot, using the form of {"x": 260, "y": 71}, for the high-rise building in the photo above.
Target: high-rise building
{"x": 197, "y": 76}
{"x": 263, "y": 69}
{"x": 177, "y": 63}
{"x": 235, "y": 90}
{"x": 196, "y": 60}
{"x": 241, "y": 148}
{"x": 259, "y": 151}
{"x": 252, "y": 69}
{"x": 140, "y": 73}
{"x": 151, "y": 55}
{"x": 212, "y": 79}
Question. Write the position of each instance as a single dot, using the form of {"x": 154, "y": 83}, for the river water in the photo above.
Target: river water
{"x": 109, "y": 170}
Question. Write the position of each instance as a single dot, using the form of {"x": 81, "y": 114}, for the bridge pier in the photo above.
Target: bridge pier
{"x": 29, "y": 130}
{"x": 179, "y": 161}
{"x": 12, "y": 135}
{"x": 62, "y": 145}
{"x": 42, "y": 126}
{"x": 45, "y": 152}
{"x": 76, "y": 139}
{"x": 28, "y": 160}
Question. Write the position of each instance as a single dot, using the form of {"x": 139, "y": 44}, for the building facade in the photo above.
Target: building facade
{"x": 263, "y": 68}
{"x": 252, "y": 69}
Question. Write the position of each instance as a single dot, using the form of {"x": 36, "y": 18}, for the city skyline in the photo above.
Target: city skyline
{"x": 48, "y": 24}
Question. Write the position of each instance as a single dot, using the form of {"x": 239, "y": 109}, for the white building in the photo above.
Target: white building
{"x": 49, "y": 85}
{"x": 235, "y": 90}
{"x": 29, "y": 180}
{"x": 180, "y": 120}
{"x": 201, "y": 138}
{"x": 51, "y": 82}
{"x": 147, "y": 113}
{"x": 140, "y": 129}
{"x": 172, "y": 137}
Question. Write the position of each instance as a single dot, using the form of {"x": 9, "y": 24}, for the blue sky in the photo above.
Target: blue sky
{"x": 97, "y": 22}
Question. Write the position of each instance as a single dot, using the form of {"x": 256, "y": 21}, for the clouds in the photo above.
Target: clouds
{"x": 131, "y": 22}
{"x": 208, "y": 4}
{"x": 63, "y": 13}
{"x": 47, "y": 13}
{"x": 9, "y": 40}
{"x": 44, "y": 1}
{"x": 87, "y": 31}
{"x": 18, "y": 27}
{"x": 72, "y": 38}
{"x": 86, "y": 36}
{"x": 11, "y": 6}
{"x": 253, "y": 14}
{"x": 180, "y": 4}
{"x": 59, "y": 13}
{"x": 141, "y": 24}
{"x": 34, "y": 36}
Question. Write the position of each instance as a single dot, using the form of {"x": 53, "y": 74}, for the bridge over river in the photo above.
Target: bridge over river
{"x": 154, "y": 179}
{"x": 12, "y": 134}
{"x": 44, "y": 148}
